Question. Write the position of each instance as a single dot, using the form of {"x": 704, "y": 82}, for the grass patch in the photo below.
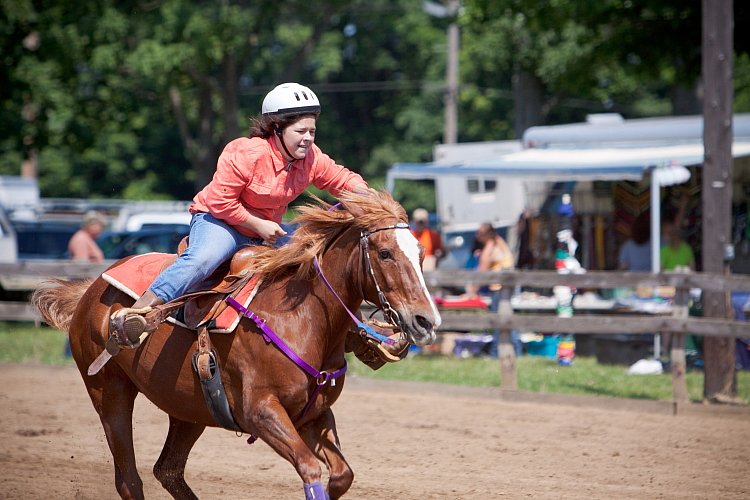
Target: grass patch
{"x": 22, "y": 342}
{"x": 25, "y": 343}
{"x": 537, "y": 374}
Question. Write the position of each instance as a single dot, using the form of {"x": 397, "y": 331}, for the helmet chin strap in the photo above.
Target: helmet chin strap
{"x": 283, "y": 145}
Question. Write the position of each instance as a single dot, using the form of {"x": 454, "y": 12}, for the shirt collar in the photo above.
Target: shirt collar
{"x": 279, "y": 163}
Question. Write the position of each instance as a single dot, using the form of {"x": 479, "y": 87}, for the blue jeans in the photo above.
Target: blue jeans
{"x": 212, "y": 242}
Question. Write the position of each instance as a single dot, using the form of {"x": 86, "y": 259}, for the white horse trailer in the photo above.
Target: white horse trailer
{"x": 496, "y": 181}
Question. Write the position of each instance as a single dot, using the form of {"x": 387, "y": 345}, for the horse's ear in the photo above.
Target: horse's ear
{"x": 354, "y": 209}
{"x": 352, "y": 206}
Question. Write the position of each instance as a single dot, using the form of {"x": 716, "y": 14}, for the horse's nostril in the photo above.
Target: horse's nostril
{"x": 424, "y": 323}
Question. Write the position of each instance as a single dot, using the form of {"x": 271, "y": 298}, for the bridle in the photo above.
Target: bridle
{"x": 324, "y": 377}
{"x": 389, "y": 313}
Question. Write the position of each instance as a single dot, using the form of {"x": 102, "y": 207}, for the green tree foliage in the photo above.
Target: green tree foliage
{"x": 638, "y": 57}
{"x": 71, "y": 98}
{"x": 134, "y": 99}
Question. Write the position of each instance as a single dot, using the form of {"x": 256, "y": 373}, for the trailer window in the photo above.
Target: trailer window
{"x": 480, "y": 185}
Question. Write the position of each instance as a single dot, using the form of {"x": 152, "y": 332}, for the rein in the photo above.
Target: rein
{"x": 362, "y": 326}
{"x": 321, "y": 377}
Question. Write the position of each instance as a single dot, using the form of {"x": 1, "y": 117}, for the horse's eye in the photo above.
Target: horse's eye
{"x": 385, "y": 255}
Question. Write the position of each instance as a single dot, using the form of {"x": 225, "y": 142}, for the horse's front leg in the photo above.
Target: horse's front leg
{"x": 276, "y": 428}
{"x": 321, "y": 437}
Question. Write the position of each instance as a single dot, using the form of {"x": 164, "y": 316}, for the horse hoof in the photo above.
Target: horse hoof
{"x": 133, "y": 326}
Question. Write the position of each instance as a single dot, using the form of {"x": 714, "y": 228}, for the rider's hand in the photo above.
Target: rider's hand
{"x": 269, "y": 231}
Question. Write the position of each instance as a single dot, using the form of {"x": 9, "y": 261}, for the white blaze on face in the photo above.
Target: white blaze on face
{"x": 409, "y": 245}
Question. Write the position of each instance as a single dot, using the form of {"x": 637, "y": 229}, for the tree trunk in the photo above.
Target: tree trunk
{"x": 527, "y": 101}
{"x": 720, "y": 377}
{"x": 230, "y": 98}
{"x": 205, "y": 154}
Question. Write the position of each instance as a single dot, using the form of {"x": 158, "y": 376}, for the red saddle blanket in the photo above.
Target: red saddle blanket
{"x": 135, "y": 275}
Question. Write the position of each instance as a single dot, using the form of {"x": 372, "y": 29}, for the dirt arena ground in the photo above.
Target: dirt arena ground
{"x": 405, "y": 441}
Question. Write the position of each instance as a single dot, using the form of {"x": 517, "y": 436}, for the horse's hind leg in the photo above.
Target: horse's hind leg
{"x": 170, "y": 468}
{"x": 113, "y": 400}
{"x": 320, "y": 436}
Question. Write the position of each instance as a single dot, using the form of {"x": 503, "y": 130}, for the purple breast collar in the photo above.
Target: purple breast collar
{"x": 321, "y": 377}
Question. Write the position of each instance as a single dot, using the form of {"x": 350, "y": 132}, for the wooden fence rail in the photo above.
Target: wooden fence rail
{"x": 27, "y": 275}
{"x": 24, "y": 276}
{"x": 678, "y": 322}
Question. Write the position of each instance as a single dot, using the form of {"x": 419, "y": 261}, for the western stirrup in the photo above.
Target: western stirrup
{"x": 127, "y": 325}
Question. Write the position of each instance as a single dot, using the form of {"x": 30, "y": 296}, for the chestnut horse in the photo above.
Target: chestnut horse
{"x": 366, "y": 252}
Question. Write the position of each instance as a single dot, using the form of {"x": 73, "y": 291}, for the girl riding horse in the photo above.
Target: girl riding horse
{"x": 256, "y": 178}
{"x": 334, "y": 260}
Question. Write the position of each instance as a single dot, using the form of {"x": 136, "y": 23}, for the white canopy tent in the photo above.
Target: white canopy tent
{"x": 605, "y": 148}
{"x": 666, "y": 164}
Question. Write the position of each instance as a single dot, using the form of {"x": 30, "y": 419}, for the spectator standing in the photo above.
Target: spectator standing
{"x": 495, "y": 255}
{"x": 82, "y": 245}
{"x": 675, "y": 253}
{"x": 635, "y": 253}
{"x": 428, "y": 238}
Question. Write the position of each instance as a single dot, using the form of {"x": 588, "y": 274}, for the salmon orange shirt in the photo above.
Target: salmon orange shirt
{"x": 252, "y": 178}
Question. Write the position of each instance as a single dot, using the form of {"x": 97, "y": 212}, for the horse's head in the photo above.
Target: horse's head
{"x": 391, "y": 259}
{"x": 384, "y": 255}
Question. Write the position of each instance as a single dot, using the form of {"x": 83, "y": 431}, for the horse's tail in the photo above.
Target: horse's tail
{"x": 56, "y": 301}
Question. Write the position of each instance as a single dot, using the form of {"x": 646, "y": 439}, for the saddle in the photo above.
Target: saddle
{"x": 201, "y": 307}
{"x": 231, "y": 277}
{"x": 192, "y": 310}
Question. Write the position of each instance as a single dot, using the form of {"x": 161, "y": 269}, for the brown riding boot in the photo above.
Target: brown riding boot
{"x": 129, "y": 323}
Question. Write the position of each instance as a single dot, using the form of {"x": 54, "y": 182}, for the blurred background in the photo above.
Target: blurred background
{"x": 124, "y": 106}
{"x": 117, "y": 102}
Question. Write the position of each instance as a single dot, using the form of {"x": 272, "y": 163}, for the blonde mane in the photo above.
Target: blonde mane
{"x": 319, "y": 226}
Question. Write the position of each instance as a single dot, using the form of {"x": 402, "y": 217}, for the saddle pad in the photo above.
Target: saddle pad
{"x": 135, "y": 275}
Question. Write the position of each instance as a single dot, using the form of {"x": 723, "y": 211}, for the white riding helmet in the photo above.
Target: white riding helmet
{"x": 290, "y": 98}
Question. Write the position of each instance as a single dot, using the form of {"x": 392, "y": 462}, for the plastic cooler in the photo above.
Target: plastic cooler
{"x": 547, "y": 347}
